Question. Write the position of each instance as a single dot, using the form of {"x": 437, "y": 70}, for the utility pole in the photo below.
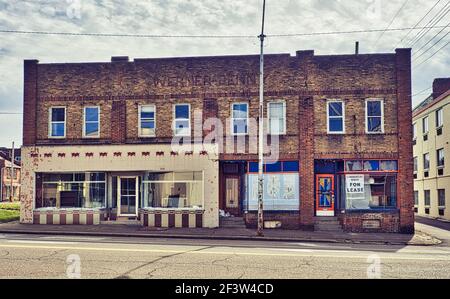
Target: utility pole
{"x": 261, "y": 130}
{"x": 12, "y": 174}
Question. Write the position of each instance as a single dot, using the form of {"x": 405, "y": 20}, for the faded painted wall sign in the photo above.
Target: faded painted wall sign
{"x": 225, "y": 79}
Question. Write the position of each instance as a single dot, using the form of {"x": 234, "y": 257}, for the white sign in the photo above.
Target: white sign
{"x": 354, "y": 184}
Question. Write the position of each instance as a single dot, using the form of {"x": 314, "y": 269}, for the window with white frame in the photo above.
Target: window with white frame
{"x": 147, "y": 123}
{"x": 57, "y": 124}
{"x": 91, "y": 124}
{"x": 277, "y": 117}
{"x": 441, "y": 198}
{"x": 239, "y": 118}
{"x": 416, "y": 198}
{"x": 427, "y": 197}
{"x": 374, "y": 116}
{"x": 440, "y": 157}
{"x": 439, "y": 118}
{"x": 414, "y": 129}
{"x": 416, "y": 166}
{"x": 425, "y": 125}
{"x": 182, "y": 120}
{"x": 426, "y": 161}
{"x": 336, "y": 117}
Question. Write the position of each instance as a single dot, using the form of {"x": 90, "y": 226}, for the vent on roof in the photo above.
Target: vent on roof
{"x": 119, "y": 59}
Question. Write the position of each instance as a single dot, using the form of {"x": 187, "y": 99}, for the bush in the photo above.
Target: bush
{"x": 10, "y": 206}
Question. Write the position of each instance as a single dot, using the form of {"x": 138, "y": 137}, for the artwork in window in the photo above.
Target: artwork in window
{"x": 374, "y": 117}
{"x": 281, "y": 192}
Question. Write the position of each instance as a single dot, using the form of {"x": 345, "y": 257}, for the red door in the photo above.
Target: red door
{"x": 325, "y": 195}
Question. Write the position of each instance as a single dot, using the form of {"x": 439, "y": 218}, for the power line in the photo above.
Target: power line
{"x": 417, "y": 24}
{"x": 430, "y": 40}
{"x": 213, "y": 36}
{"x": 429, "y": 48}
{"x": 392, "y": 21}
{"x": 444, "y": 11}
{"x": 433, "y": 54}
{"x": 422, "y": 91}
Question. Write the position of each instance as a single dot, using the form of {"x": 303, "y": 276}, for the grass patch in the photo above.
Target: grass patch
{"x": 10, "y": 206}
{"x": 9, "y": 215}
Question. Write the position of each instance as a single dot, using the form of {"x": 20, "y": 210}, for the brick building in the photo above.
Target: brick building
{"x": 9, "y": 184}
{"x": 98, "y": 141}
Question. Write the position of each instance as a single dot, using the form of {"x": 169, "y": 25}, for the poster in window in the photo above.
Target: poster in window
{"x": 273, "y": 186}
{"x": 355, "y": 191}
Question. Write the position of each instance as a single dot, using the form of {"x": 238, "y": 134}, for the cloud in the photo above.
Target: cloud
{"x": 193, "y": 17}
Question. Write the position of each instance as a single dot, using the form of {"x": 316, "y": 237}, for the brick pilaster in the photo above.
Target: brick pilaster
{"x": 405, "y": 194}
{"x": 118, "y": 122}
{"x": 306, "y": 156}
{"x": 30, "y": 94}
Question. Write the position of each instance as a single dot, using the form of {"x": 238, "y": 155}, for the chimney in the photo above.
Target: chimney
{"x": 119, "y": 59}
{"x": 440, "y": 86}
{"x": 356, "y": 48}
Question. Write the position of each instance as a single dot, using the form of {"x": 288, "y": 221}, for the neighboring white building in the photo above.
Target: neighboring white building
{"x": 431, "y": 126}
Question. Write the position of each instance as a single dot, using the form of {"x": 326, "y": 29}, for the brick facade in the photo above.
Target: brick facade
{"x": 211, "y": 84}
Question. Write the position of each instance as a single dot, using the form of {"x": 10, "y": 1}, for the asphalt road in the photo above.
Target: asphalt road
{"x": 40, "y": 256}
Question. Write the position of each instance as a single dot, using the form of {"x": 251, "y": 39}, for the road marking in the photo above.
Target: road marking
{"x": 361, "y": 256}
{"x": 39, "y": 242}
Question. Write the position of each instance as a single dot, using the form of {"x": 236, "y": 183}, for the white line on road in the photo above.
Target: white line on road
{"x": 40, "y": 242}
{"x": 211, "y": 252}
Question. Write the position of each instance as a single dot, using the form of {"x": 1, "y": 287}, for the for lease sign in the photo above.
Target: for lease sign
{"x": 355, "y": 184}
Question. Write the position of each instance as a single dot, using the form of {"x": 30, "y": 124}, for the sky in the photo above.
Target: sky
{"x": 209, "y": 17}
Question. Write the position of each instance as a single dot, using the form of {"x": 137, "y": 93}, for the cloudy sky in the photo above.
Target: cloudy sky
{"x": 206, "y": 17}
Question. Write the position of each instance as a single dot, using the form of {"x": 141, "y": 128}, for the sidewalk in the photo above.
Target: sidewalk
{"x": 117, "y": 230}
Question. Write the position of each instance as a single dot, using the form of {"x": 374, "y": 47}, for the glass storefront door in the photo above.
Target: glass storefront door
{"x": 325, "y": 195}
{"x": 127, "y": 196}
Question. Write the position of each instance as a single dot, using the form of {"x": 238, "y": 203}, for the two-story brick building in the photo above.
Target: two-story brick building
{"x": 98, "y": 141}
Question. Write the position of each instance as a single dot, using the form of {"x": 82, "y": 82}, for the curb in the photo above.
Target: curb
{"x": 212, "y": 237}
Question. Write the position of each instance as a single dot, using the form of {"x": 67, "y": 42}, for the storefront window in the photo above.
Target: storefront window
{"x": 281, "y": 187}
{"x": 173, "y": 190}
{"x": 369, "y": 191}
{"x": 72, "y": 190}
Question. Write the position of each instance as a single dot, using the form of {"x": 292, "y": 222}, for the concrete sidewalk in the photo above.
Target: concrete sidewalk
{"x": 117, "y": 230}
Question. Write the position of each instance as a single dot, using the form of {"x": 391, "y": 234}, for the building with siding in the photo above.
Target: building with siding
{"x": 170, "y": 142}
{"x": 431, "y": 123}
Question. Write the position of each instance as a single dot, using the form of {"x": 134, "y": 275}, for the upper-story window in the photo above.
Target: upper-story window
{"x": 91, "y": 124}
{"x": 182, "y": 120}
{"x": 426, "y": 161}
{"x": 416, "y": 166}
{"x": 57, "y": 123}
{"x": 439, "y": 118}
{"x": 425, "y": 125}
{"x": 374, "y": 116}
{"x": 239, "y": 118}
{"x": 147, "y": 122}
{"x": 440, "y": 157}
{"x": 277, "y": 117}
{"x": 335, "y": 117}
{"x": 414, "y": 129}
